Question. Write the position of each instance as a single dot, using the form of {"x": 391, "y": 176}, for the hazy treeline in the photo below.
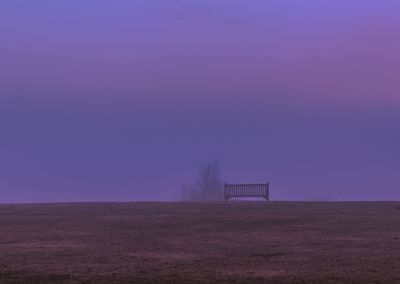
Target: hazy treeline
{"x": 207, "y": 187}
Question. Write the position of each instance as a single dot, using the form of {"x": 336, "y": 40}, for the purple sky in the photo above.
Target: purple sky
{"x": 121, "y": 100}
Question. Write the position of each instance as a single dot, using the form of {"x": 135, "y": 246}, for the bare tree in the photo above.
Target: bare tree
{"x": 208, "y": 187}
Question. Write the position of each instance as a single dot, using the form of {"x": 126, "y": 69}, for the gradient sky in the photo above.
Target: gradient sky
{"x": 122, "y": 100}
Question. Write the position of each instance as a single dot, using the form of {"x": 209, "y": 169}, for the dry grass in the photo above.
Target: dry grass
{"x": 282, "y": 242}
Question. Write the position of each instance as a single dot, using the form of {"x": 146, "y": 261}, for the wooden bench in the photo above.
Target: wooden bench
{"x": 247, "y": 190}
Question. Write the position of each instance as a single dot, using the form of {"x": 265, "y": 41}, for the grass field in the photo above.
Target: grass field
{"x": 235, "y": 242}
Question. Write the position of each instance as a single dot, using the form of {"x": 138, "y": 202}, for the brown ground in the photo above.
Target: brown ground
{"x": 282, "y": 242}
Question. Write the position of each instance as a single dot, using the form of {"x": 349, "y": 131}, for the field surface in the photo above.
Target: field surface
{"x": 235, "y": 242}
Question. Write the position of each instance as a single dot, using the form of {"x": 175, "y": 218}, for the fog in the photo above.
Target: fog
{"x": 122, "y": 102}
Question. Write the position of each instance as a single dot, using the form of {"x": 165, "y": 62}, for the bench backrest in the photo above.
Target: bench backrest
{"x": 247, "y": 190}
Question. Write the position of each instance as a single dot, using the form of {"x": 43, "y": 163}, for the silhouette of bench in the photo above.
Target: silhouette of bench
{"x": 247, "y": 190}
